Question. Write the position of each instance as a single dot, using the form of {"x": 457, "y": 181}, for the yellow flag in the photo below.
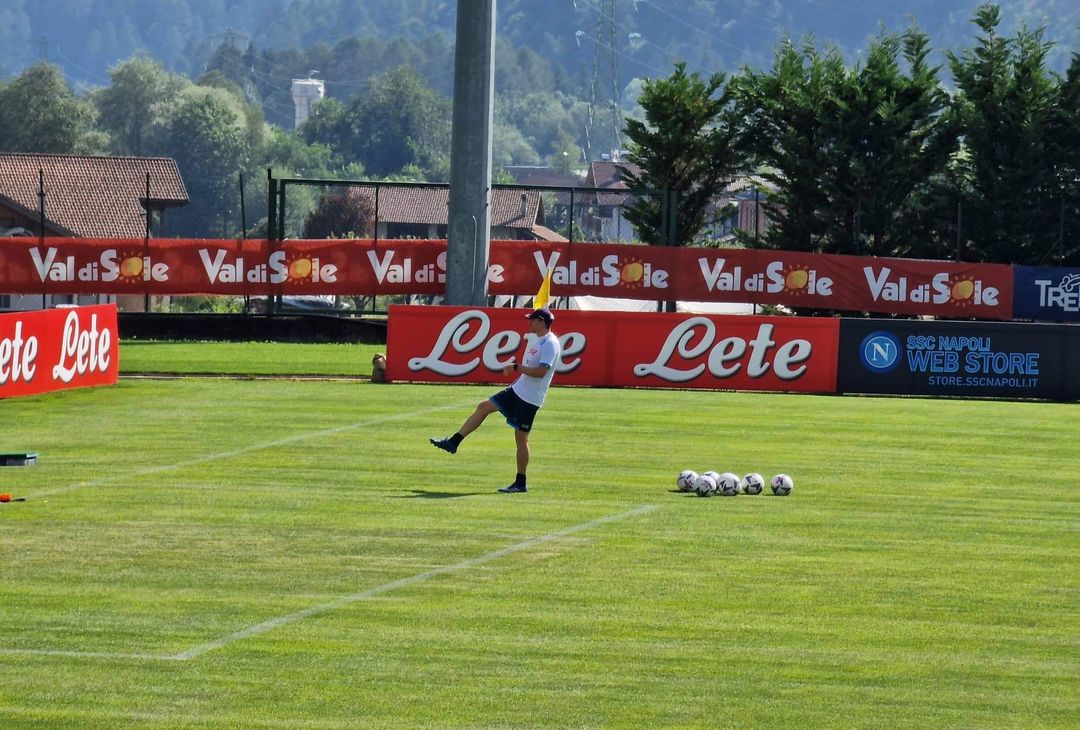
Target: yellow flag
{"x": 544, "y": 294}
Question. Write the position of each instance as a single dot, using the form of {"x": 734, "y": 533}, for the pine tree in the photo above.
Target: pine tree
{"x": 791, "y": 112}
{"x": 686, "y": 150}
{"x": 1065, "y": 151}
{"x": 1006, "y": 105}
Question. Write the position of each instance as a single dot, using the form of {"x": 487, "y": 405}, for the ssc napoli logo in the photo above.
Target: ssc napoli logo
{"x": 880, "y": 352}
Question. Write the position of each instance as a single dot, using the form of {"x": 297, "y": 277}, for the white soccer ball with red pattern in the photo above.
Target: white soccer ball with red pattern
{"x": 705, "y": 486}
{"x": 685, "y": 481}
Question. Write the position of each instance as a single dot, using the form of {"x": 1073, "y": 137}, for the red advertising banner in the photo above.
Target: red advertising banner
{"x": 824, "y": 281}
{"x": 369, "y": 267}
{"x": 56, "y": 349}
{"x": 456, "y": 344}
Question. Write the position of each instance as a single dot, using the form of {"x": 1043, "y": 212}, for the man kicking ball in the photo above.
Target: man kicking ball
{"x": 520, "y": 402}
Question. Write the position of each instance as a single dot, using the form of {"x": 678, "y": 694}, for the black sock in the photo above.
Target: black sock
{"x": 456, "y": 439}
{"x": 520, "y": 481}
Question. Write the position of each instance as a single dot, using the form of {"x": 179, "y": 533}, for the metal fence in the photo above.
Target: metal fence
{"x": 576, "y": 213}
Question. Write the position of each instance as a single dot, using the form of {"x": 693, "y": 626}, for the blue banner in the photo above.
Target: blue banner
{"x": 1046, "y": 293}
{"x": 962, "y": 359}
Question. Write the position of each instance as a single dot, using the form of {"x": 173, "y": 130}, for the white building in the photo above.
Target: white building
{"x": 305, "y": 92}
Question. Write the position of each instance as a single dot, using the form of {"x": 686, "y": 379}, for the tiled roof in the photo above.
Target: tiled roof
{"x": 550, "y": 180}
{"x": 605, "y": 174}
{"x": 543, "y": 233}
{"x": 91, "y": 196}
{"x": 429, "y": 206}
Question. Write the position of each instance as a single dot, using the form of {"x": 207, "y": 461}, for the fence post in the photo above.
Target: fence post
{"x": 41, "y": 221}
{"x": 570, "y": 236}
{"x": 271, "y": 204}
{"x": 146, "y": 243}
{"x": 243, "y": 209}
{"x": 959, "y": 228}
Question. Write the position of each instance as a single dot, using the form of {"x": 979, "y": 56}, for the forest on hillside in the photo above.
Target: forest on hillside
{"x": 646, "y": 37}
{"x": 878, "y": 152}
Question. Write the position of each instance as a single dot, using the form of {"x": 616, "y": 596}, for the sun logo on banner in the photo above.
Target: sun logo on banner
{"x": 131, "y": 267}
{"x": 632, "y": 273}
{"x": 300, "y": 269}
{"x": 795, "y": 279}
{"x": 962, "y": 291}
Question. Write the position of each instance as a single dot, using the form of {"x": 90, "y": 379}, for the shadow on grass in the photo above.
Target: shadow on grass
{"x": 425, "y": 494}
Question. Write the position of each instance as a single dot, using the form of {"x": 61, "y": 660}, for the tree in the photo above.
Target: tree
{"x": 1006, "y": 100}
{"x": 889, "y": 137}
{"x": 1065, "y": 150}
{"x": 206, "y": 134}
{"x": 130, "y": 106}
{"x": 40, "y": 113}
{"x": 787, "y": 112}
{"x": 850, "y": 153}
{"x": 398, "y": 122}
{"x": 566, "y": 156}
{"x": 348, "y": 213}
{"x": 686, "y": 151}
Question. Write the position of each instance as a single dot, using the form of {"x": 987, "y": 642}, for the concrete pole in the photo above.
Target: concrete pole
{"x": 469, "y": 234}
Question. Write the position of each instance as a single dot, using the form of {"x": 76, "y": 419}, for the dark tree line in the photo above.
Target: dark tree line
{"x": 877, "y": 158}
{"x": 873, "y": 157}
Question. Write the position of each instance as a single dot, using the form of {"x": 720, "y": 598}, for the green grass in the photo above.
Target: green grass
{"x": 246, "y": 358}
{"x": 923, "y": 573}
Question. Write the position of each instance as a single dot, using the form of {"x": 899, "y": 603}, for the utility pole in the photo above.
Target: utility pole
{"x": 469, "y": 233}
{"x": 604, "y": 93}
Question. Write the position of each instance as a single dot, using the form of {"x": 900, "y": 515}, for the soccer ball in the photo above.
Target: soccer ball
{"x": 715, "y": 476}
{"x": 728, "y": 484}
{"x": 705, "y": 486}
{"x": 753, "y": 483}
{"x": 685, "y": 482}
{"x": 781, "y": 485}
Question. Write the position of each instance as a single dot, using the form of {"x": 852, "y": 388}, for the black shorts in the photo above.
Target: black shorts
{"x": 517, "y": 412}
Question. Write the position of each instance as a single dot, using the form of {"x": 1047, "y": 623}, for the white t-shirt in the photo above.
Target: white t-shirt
{"x": 538, "y": 351}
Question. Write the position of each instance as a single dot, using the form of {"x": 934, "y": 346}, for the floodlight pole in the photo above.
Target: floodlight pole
{"x": 469, "y": 231}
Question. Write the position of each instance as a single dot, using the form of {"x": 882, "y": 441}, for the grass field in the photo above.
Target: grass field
{"x": 229, "y": 553}
{"x": 247, "y": 358}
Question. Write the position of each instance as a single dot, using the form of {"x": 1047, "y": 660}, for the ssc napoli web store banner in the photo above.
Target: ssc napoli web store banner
{"x": 58, "y": 348}
{"x": 456, "y": 344}
{"x": 973, "y": 359}
{"x": 1045, "y": 293}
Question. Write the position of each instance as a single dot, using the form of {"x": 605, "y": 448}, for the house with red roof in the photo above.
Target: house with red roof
{"x": 85, "y": 196}
{"x": 423, "y": 213}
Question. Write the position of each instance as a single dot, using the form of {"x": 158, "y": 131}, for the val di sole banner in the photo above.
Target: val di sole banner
{"x": 369, "y": 267}
{"x": 622, "y": 349}
{"x": 55, "y": 349}
{"x": 964, "y": 359}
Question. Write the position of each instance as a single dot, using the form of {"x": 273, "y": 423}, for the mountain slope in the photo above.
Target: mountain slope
{"x": 85, "y": 37}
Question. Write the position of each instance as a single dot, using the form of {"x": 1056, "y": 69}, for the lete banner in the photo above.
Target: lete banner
{"x": 456, "y": 344}
{"x": 368, "y": 267}
{"x": 58, "y": 348}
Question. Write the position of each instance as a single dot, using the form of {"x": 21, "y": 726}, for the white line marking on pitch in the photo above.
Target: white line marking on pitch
{"x": 279, "y": 621}
{"x": 84, "y": 654}
{"x": 245, "y": 450}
